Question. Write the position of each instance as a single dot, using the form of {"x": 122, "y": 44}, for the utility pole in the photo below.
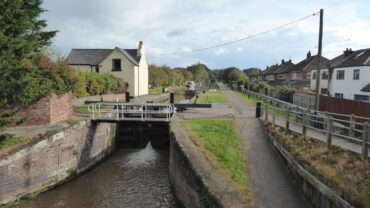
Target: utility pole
{"x": 318, "y": 74}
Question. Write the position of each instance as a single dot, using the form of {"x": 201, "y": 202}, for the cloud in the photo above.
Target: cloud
{"x": 220, "y": 51}
{"x": 169, "y": 26}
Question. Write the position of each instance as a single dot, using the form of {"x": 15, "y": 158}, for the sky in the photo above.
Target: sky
{"x": 169, "y": 26}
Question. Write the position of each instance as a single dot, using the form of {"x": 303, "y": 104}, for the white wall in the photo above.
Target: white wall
{"x": 349, "y": 87}
{"x": 323, "y": 83}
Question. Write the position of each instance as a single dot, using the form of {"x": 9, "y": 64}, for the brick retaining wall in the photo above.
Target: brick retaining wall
{"x": 54, "y": 158}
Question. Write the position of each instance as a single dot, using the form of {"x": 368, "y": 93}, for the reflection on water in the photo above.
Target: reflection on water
{"x": 130, "y": 178}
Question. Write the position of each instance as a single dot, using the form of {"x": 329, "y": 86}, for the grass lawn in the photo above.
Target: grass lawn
{"x": 84, "y": 108}
{"x": 156, "y": 90}
{"x": 221, "y": 140}
{"x": 212, "y": 97}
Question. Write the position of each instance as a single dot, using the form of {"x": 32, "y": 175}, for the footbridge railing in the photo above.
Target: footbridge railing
{"x": 112, "y": 111}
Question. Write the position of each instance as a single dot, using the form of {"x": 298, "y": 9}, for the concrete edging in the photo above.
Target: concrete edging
{"x": 316, "y": 192}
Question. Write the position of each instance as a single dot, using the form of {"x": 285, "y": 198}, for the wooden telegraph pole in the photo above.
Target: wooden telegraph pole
{"x": 318, "y": 74}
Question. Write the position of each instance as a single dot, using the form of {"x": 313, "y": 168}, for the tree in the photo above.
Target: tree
{"x": 22, "y": 35}
{"x": 199, "y": 71}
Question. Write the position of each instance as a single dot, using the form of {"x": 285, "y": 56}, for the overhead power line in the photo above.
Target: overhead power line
{"x": 241, "y": 39}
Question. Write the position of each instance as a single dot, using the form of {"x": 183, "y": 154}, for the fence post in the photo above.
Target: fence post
{"x": 296, "y": 114}
{"x": 352, "y": 126}
{"x": 365, "y": 139}
{"x": 325, "y": 124}
{"x": 273, "y": 120}
{"x": 172, "y": 98}
{"x": 329, "y": 125}
{"x": 127, "y": 97}
{"x": 287, "y": 121}
{"x": 258, "y": 109}
{"x": 304, "y": 123}
{"x": 266, "y": 113}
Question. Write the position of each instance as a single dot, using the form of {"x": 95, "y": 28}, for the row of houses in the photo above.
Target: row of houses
{"x": 345, "y": 76}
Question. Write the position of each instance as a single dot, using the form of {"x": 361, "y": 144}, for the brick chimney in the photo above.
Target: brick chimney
{"x": 140, "y": 49}
{"x": 347, "y": 52}
{"x": 309, "y": 54}
{"x": 282, "y": 61}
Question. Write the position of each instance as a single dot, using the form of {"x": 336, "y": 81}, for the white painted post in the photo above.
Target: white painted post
{"x": 117, "y": 110}
{"x": 329, "y": 125}
{"x": 365, "y": 139}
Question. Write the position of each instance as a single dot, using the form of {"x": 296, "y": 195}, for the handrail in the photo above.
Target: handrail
{"x": 122, "y": 111}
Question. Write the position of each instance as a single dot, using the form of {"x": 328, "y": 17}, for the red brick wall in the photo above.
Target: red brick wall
{"x": 54, "y": 158}
{"x": 49, "y": 110}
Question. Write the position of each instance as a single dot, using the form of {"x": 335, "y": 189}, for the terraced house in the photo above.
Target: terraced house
{"x": 130, "y": 65}
{"x": 348, "y": 76}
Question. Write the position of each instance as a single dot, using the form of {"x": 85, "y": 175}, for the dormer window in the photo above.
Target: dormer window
{"x": 116, "y": 65}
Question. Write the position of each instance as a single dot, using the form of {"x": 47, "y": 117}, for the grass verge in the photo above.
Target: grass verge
{"x": 221, "y": 141}
{"x": 343, "y": 171}
{"x": 156, "y": 90}
{"x": 212, "y": 97}
{"x": 8, "y": 140}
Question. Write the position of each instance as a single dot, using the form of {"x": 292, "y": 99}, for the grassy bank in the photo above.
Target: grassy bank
{"x": 156, "y": 90}
{"x": 253, "y": 100}
{"x": 343, "y": 171}
{"x": 212, "y": 97}
{"x": 8, "y": 140}
{"x": 221, "y": 141}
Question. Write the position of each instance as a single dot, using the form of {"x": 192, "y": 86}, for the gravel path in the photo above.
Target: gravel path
{"x": 271, "y": 182}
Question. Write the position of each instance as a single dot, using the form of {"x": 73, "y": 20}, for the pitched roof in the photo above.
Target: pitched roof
{"x": 352, "y": 58}
{"x": 308, "y": 64}
{"x": 284, "y": 66}
{"x": 270, "y": 70}
{"x": 366, "y": 88}
{"x": 87, "y": 56}
{"x": 95, "y": 56}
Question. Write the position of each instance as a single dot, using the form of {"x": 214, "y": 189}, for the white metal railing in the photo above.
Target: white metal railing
{"x": 131, "y": 111}
{"x": 321, "y": 122}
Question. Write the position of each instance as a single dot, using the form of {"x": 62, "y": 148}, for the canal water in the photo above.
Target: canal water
{"x": 129, "y": 178}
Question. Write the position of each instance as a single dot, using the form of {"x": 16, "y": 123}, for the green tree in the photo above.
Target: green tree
{"x": 21, "y": 35}
{"x": 199, "y": 71}
{"x": 21, "y": 32}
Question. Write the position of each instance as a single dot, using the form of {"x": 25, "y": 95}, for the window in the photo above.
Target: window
{"x": 324, "y": 75}
{"x": 362, "y": 97}
{"x": 324, "y": 91}
{"x": 314, "y": 75}
{"x": 338, "y": 95}
{"x": 356, "y": 74}
{"x": 97, "y": 69}
{"x": 340, "y": 74}
{"x": 116, "y": 64}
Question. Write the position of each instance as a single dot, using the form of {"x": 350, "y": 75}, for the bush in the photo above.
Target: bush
{"x": 95, "y": 84}
{"x": 260, "y": 85}
{"x": 286, "y": 93}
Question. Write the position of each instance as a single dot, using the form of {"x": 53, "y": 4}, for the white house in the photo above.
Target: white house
{"x": 128, "y": 64}
{"x": 348, "y": 76}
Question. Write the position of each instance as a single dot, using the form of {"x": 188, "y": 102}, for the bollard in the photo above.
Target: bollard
{"x": 365, "y": 139}
{"x": 127, "y": 97}
{"x": 258, "y": 109}
{"x": 287, "y": 122}
{"x": 172, "y": 98}
{"x": 329, "y": 126}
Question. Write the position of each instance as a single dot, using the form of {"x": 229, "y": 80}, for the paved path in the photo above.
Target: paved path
{"x": 271, "y": 182}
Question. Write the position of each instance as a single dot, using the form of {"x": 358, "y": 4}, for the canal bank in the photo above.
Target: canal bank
{"x": 131, "y": 176}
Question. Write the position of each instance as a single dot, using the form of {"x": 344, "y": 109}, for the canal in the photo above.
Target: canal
{"x": 131, "y": 177}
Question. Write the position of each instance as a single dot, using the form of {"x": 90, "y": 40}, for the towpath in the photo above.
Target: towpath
{"x": 271, "y": 182}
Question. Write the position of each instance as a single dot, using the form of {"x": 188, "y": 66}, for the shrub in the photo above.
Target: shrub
{"x": 286, "y": 93}
{"x": 260, "y": 85}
